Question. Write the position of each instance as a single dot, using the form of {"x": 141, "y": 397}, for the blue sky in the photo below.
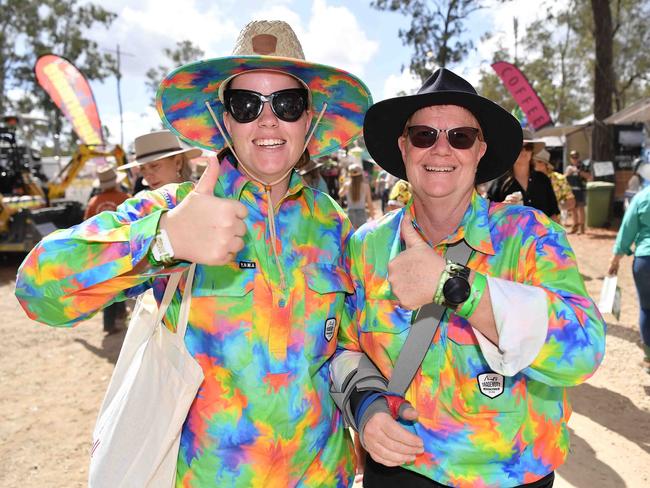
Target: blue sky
{"x": 345, "y": 34}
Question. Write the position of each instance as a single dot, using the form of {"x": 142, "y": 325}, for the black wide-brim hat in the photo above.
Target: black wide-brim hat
{"x": 384, "y": 124}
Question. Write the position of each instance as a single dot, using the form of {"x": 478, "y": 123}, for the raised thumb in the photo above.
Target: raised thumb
{"x": 411, "y": 237}
{"x": 209, "y": 178}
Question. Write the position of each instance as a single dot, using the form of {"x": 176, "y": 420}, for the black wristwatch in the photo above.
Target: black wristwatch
{"x": 456, "y": 289}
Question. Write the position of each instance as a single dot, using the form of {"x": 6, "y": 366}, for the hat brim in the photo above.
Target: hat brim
{"x": 538, "y": 144}
{"x": 182, "y": 96}
{"x": 385, "y": 121}
{"x": 309, "y": 168}
{"x": 191, "y": 153}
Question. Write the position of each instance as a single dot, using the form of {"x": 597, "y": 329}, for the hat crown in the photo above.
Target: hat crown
{"x": 155, "y": 142}
{"x": 543, "y": 156}
{"x": 106, "y": 174}
{"x": 444, "y": 80}
{"x": 268, "y": 38}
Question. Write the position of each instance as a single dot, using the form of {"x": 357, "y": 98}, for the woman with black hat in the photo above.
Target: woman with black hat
{"x": 484, "y": 403}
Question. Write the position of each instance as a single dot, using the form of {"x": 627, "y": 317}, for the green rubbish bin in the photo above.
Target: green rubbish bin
{"x": 599, "y": 202}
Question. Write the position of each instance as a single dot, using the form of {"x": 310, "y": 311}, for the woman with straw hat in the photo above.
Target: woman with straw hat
{"x": 270, "y": 284}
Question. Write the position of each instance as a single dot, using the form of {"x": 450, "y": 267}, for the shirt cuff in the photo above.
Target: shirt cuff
{"x": 521, "y": 317}
{"x": 143, "y": 232}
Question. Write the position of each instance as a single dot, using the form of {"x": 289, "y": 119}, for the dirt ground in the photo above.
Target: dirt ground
{"x": 52, "y": 382}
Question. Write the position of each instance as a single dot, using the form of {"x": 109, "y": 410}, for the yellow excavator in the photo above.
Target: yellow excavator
{"x": 29, "y": 208}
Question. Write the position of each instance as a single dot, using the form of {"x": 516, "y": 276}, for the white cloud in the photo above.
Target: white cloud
{"x": 332, "y": 35}
{"x": 335, "y": 37}
{"x": 502, "y": 17}
{"x": 135, "y": 124}
{"x": 144, "y": 29}
{"x": 404, "y": 82}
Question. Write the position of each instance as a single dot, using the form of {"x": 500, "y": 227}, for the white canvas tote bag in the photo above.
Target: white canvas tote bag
{"x": 137, "y": 434}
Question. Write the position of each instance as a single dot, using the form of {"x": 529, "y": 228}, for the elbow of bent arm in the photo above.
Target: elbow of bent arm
{"x": 572, "y": 357}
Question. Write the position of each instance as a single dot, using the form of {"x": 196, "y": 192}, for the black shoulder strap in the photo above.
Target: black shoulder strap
{"x": 422, "y": 331}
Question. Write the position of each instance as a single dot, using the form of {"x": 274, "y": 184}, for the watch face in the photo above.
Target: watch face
{"x": 456, "y": 290}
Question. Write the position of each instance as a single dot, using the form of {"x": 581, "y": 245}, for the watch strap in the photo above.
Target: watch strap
{"x": 476, "y": 293}
{"x": 161, "y": 248}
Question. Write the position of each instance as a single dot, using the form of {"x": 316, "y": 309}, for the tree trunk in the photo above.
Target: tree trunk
{"x": 602, "y": 147}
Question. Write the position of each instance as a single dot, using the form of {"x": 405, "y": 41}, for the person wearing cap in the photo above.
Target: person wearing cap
{"x": 161, "y": 159}
{"x": 561, "y": 187}
{"x": 523, "y": 185}
{"x": 270, "y": 283}
{"x": 577, "y": 176}
{"x": 107, "y": 199}
{"x": 488, "y": 404}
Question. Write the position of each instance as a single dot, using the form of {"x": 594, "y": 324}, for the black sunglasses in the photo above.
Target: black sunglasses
{"x": 246, "y": 105}
{"x": 423, "y": 136}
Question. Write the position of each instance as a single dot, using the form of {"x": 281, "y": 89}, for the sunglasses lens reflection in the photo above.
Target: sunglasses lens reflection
{"x": 459, "y": 138}
{"x": 245, "y": 105}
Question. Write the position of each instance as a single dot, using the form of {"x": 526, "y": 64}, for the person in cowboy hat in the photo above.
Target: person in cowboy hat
{"x": 161, "y": 159}
{"x": 488, "y": 405}
{"x": 523, "y": 184}
{"x": 107, "y": 199}
{"x": 270, "y": 283}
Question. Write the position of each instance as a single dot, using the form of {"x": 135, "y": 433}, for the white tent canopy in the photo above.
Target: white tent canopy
{"x": 638, "y": 112}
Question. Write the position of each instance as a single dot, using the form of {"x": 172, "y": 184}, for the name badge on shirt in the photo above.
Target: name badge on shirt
{"x": 330, "y": 326}
{"x": 491, "y": 384}
{"x": 247, "y": 264}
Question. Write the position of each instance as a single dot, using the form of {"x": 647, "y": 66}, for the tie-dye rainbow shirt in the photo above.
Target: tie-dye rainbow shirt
{"x": 475, "y": 439}
{"x": 263, "y": 416}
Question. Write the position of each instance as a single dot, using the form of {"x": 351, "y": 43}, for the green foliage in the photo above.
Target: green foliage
{"x": 436, "y": 31}
{"x": 15, "y": 26}
{"x": 30, "y": 28}
{"x": 557, "y": 55}
{"x": 184, "y": 52}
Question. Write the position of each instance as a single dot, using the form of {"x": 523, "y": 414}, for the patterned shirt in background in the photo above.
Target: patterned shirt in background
{"x": 472, "y": 439}
{"x": 401, "y": 192}
{"x": 263, "y": 416}
{"x": 561, "y": 187}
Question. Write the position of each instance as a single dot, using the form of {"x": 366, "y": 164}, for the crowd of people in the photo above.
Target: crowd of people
{"x": 316, "y": 275}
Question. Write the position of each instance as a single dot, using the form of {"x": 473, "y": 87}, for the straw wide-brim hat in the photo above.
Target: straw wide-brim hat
{"x": 262, "y": 45}
{"x": 158, "y": 145}
{"x": 385, "y": 122}
{"x": 107, "y": 177}
{"x": 538, "y": 144}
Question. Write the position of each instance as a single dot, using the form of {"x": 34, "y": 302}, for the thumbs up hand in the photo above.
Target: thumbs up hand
{"x": 205, "y": 229}
{"x": 413, "y": 275}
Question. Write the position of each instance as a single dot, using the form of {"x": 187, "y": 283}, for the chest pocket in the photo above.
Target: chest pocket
{"x": 505, "y": 395}
{"x": 326, "y": 286}
{"x": 222, "y": 314}
{"x": 384, "y": 325}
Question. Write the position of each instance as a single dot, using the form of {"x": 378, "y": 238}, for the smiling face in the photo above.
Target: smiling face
{"x": 267, "y": 146}
{"x": 441, "y": 171}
